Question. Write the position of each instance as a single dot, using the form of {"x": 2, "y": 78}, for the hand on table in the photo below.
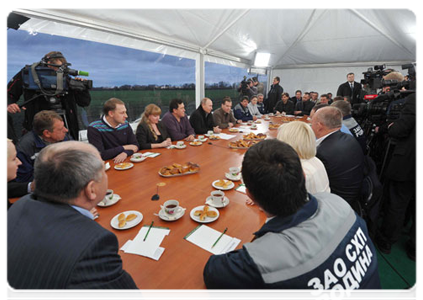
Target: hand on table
{"x": 120, "y": 158}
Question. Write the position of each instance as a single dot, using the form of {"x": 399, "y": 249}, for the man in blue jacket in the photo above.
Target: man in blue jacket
{"x": 308, "y": 241}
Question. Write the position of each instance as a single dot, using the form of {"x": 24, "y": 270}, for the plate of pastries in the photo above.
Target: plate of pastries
{"x": 177, "y": 169}
{"x": 242, "y": 144}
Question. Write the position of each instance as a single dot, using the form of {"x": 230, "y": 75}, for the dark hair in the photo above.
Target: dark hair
{"x": 286, "y": 94}
{"x": 272, "y": 173}
{"x": 319, "y": 106}
{"x": 324, "y": 95}
{"x": 338, "y": 98}
{"x": 350, "y": 74}
{"x": 298, "y": 91}
{"x": 226, "y": 99}
{"x": 110, "y": 105}
{"x": 245, "y": 98}
{"x": 174, "y": 104}
{"x": 44, "y": 120}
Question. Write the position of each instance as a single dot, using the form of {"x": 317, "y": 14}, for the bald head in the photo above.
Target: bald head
{"x": 326, "y": 120}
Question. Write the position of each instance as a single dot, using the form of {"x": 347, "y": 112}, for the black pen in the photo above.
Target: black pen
{"x": 220, "y": 237}
{"x": 151, "y": 225}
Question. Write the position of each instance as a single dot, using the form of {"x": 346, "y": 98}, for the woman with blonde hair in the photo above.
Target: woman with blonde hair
{"x": 151, "y": 133}
{"x": 301, "y": 137}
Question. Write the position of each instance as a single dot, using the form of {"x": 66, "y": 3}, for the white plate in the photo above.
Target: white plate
{"x": 207, "y": 219}
{"x": 130, "y": 165}
{"x": 203, "y": 140}
{"x": 211, "y": 203}
{"x": 216, "y": 134}
{"x": 110, "y": 202}
{"x": 232, "y": 178}
{"x": 165, "y": 217}
{"x": 178, "y": 147}
{"x": 115, "y": 222}
{"x": 232, "y": 185}
{"x": 192, "y": 144}
{"x": 134, "y": 159}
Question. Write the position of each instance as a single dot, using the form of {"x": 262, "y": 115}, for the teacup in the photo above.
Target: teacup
{"x": 217, "y": 197}
{"x": 171, "y": 207}
{"x": 234, "y": 171}
{"x": 201, "y": 137}
{"x": 210, "y": 132}
{"x": 109, "y": 196}
{"x": 180, "y": 143}
{"x": 137, "y": 155}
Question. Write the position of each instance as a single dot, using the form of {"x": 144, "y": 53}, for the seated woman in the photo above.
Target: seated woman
{"x": 253, "y": 108}
{"x": 150, "y": 132}
{"x": 300, "y": 136}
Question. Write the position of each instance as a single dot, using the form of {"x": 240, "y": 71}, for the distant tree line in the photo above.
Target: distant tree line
{"x": 152, "y": 87}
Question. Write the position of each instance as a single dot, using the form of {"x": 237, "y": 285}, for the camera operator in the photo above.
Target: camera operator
{"x": 401, "y": 176}
{"x": 67, "y": 100}
{"x": 247, "y": 88}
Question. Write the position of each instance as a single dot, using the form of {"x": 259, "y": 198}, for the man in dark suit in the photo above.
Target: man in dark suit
{"x": 304, "y": 107}
{"x": 202, "y": 119}
{"x": 401, "y": 183}
{"x": 350, "y": 89}
{"x": 52, "y": 240}
{"x": 340, "y": 153}
{"x": 274, "y": 95}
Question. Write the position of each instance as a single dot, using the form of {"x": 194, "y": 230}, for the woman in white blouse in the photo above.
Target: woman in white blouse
{"x": 252, "y": 107}
{"x": 301, "y": 137}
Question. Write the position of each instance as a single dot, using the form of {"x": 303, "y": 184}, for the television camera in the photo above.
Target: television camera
{"x": 244, "y": 86}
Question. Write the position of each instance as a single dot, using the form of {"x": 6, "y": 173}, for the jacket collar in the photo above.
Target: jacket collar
{"x": 279, "y": 224}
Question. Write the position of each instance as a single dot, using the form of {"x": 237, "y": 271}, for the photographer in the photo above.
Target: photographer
{"x": 247, "y": 88}
{"x": 66, "y": 101}
{"x": 401, "y": 175}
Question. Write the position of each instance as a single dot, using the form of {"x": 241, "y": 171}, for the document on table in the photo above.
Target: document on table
{"x": 241, "y": 188}
{"x": 225, "y": 136}
{"x": 150, "y": 154}
{"x": 204, "y": 237}
{"x": 151, "y": 246}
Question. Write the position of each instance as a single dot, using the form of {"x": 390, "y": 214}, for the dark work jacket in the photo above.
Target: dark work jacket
{"x": 402, "y": 166}
{"x": 200, "y": 122}
{"x": 343, "y": 159}
{"x": 304, "y": 107}
{"x": 274, "y": 95}
{"x": 345, "y": 90}
{"x": 145, "y": 137}
{"x": 288, "y": 108}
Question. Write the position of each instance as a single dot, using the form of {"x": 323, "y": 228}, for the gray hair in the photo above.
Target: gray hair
{"x": 62, "y": 171}
{"x": 259, "y": 95}
{"x": 330, "y": 117}
{"x": 343, "y": 106}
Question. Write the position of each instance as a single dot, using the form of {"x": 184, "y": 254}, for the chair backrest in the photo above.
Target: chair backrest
{"x": 408, "y": 294}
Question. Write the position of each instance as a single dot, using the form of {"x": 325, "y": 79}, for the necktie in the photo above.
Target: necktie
{"x": 352, "y": 89}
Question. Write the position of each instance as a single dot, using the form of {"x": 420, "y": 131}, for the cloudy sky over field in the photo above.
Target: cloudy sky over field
{"x": 109, "y": 65}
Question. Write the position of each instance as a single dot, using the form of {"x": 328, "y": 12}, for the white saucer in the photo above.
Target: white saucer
{"x": 211, "y": 203}
{"x": 203, "y": 140}
{"x": 134, "y": 159}
{"x": 110, "y": 202}
{"x": 178, "y": 147}
{"x": 165, "y": 217}
{"x": 232, "y": 185}
{"x": 232, "y": 178}
{"x": 115, "y": 222}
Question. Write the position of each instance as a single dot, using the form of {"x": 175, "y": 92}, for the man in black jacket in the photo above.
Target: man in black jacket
{"x": 401, "y": 173}
{"x": 274, "y": 95}
{"x": 67, "y": 101}
{"x": 340, "y": 153}
{"x": 285, "y": 105}
{"x": 202, "y": 119}
{"x": 350, "y": 89}
{"x": 304, "y": 107}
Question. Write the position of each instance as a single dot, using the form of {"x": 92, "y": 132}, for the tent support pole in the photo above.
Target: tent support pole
{"x": 199, "y": 79}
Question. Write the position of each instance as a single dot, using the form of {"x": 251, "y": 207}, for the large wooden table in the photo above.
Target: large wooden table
{"x": 182, "y": 263}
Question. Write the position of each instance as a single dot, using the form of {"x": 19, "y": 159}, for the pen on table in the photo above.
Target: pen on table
{"x": 151, "y": 225}
{"x": 220, "y": 237}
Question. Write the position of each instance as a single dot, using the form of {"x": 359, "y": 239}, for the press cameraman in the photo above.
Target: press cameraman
{"x": 37, "y": 100}
{"x": 404, "y": 178}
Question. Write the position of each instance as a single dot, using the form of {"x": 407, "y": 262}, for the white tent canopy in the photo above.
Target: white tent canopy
{"x": 296, "y": 39}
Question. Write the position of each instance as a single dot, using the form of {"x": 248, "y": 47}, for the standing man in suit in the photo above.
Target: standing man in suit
{"x": 401, "y": 181}
{"x": 274, "y": 95}
{"x": 340, "y": 153}
{"x": 350, "y": 89}
{"x": 52, "y": 240}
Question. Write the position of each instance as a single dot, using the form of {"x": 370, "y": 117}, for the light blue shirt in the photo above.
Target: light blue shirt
{"x": 83, "y": 211}
{"x": 345, "y": 129}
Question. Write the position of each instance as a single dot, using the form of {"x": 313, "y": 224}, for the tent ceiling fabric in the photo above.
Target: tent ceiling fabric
{"x": 294, "y": 37}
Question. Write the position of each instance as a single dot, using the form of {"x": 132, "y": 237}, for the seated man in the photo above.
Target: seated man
{"x": 285, "y": 105}
{"x": 202, "y": 119}
{"x": 340, "y": 153}
{"x": 112, "y": 135}
{"x": 223, "y": 116}
{"x": 177, "y": 123}
{"x": 52, "y": 240}
{"x": 241, "y": 111}
{"x": 351, "y": 123}
{"x": 47, "y": 128}
{"x": 304, "y": 107}
{"x": 308, "y": 241}
{"x": 260, "y": 104}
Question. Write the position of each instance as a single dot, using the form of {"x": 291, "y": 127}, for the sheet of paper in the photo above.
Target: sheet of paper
{"x": 241, "y": 188}
{"x": 150, "y": 154}
{"x": 225, "y": 136}
{"x": 151, "y": 246}
{"x": 205, "y": 236}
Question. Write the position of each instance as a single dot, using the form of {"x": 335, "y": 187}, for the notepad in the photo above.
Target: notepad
{"x": 204, "y": 237}
{"x": 151, "y": 246}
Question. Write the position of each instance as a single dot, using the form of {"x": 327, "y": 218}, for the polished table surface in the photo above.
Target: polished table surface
{"x": 182, "y": 263}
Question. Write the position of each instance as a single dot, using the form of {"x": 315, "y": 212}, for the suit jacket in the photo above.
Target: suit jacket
{"x": 53, "y": 246}
{"x": 200, "y": 121}
{"x": 402, "y": 166}
{"x": 344, "y": 160}
{"x": 345, "y": 90}
{"x": 145, "y": 137}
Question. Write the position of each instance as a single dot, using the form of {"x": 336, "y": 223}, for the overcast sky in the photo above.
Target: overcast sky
{"x": 110, "y": 65}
